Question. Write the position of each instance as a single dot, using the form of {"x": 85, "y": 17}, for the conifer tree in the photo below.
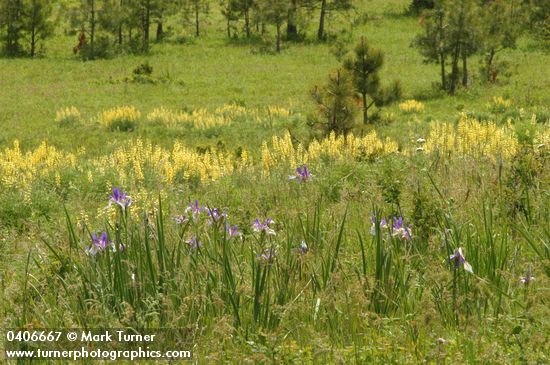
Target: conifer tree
{"x": 291, "y": 22}
{"x": 36, "y": 22}
{"x": 229, "y": 10}
{"x": 115, "y": 18}
{"x": 164, "y": 8}
{"x": 198, "y": 7}
{"x": 326, "y": 7}
{"x": 461, "y": 37}
{"x": 501, "y": 25}
{"x": 539, "y": 12}
{"x": 146, "y": 10}
{"x": 244, "y": 7}
{"x": 296, "y": 10}
{"x": 275, "y": 12}
{"x": 363, "y": 66}
{"x": 85, "y": 16}
{"x": 451, "y": 31}
{"x": 12, "y": 26}
{"x": 335, "y": 103}
{"x": 433, "y": 43}
{"x": 417, "y": 6}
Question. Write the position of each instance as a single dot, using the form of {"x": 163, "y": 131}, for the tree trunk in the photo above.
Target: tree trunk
{"x": 365, "y": 109}
{"x": 454, "y": 71}
{"x": 228, "y": 28}
{"x": 13, "y": 27}
{"x": 247, "y": 22}
{"x": 197, "y": 25}
{"x": 443, "y": 75}
{"x": 291, "y": 27}
{"x": 464, "y": 71}
{"x": 489, "y": 64}
{"x": 321, "y": 30}
{"x": 120, "y": 27}
{"x": 92, "y": 29}
{"x": 278, "y": 37}
{"x": 160, "y": 29}
{"x": 442, "y": 54}
{"x": 146, "y": 25}
{"x": 33, "y": 42}
{"x": 291, "y": 30}
{"x": 457, "y": 51}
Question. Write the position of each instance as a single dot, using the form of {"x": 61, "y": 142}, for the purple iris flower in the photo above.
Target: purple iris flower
{"x": 194, "y": 209}
{"x": 99, "y": 244}
{"x": 458, "y": 259}
{"x": 400, "y": 230}
{"x": 194, "y": 243}
{"x": 527, "y": 279}
{"x": 302, "y": 174}
{"x": 119, "y": 197}
{"x": 181, "y": 219}
{"x": 268, "y": 255}
{"x": 383, "y": 224}
{"x": 259, "y": 227}
{"x": 303, "y": 248}
{"x": 233, "y": 230}
{"x": 397, "y": 222}
{"x": 215, "y": 215}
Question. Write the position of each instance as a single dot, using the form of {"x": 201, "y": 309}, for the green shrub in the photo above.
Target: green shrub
{"x": 102, "y": 49}
{"x": 542, "y": 116}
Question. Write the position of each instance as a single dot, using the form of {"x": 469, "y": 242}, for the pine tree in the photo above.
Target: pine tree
{"x": 539, "y": 12}
{"x": 146, "y": 10}
{"x": 433, "y": 43}
{"x": 114, "y": 20}
{"x": 84, "y": 17}
{"x": 275, "y": 12}
{"x": 296, "y": 9}
{"x": 229, "y": 10}
{"x": 133, "y": 22}
{"x": 451, "y": 31}
{"x": 363, "y": 66}
{"x": 165, "y": 8}
{"x": 335, "y": 103}
{"x": 244, "y": 7}
{"x": 123, "y": 20}
{"x": 36, "y": 22}
{"x": 99, "y": 23}
{"x": 12, "y": 23}
{"x": 501, "y": 25}
{"x": 326, "y": 7}
{"x": 462, "y": 38}
{"x": 417, "y": 6}
{"x": 198, "y": 7}
{"x": 291, "y": 22}
{"x": 545, "y": 32}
